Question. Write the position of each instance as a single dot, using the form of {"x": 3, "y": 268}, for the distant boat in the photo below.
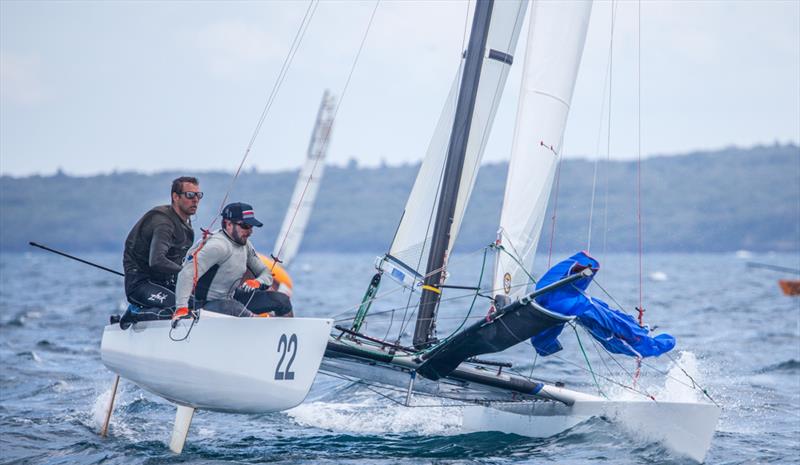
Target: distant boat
{"x": 298, "y": 213}
{"x": 790, "y": 287}
{"x": 658, "y": 276}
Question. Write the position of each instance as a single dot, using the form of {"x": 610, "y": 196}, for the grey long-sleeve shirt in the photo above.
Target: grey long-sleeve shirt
{"x": 221, "y": 263}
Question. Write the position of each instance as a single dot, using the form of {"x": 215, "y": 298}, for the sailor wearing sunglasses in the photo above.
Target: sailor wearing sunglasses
{"x": 154, "y": 251}
{"x": 214, "y": 272}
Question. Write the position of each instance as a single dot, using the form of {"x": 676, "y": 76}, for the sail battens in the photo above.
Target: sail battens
{"x": 552, "y": 96}
{"x": 502, "y": 57}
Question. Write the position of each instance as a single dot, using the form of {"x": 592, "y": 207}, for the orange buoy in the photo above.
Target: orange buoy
{"x": 279, "y": 274}
{"x": 790, "y": 287}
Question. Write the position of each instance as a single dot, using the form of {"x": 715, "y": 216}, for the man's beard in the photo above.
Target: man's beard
{"x": 187, "y": 211}
{"x": 238, "y": 237}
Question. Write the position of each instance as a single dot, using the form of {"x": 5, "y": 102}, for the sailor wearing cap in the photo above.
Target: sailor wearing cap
{"x": 218, "y": 265}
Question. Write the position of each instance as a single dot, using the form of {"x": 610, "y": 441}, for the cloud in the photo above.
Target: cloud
{"x": 20, "y": 79}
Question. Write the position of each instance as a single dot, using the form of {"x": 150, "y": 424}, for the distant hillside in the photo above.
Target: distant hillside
{"x": 706, "y": 201}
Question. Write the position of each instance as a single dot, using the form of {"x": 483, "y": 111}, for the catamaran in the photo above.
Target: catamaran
{"x": 522, "y": 307}
{"x": 226, "y": 364}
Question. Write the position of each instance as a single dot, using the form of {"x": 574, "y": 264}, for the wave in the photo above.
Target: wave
{"x": 791, "y": 366}
{"x": 29, "y": 355}
{"x": 21, "y": 318}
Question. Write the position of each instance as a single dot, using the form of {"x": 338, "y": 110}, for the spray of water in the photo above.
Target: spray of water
{"x": 373, "y": 416}
{"x": 100, "y": 408}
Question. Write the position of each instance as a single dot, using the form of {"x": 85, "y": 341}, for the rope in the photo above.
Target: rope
{"x": 585, "y": 357}
{"x": 605, "y": 378}
{"x": 555, "y": 204}
{"x": 606, "y": 94}
{"x": 640, "y": 308}
{"x": 298, "y": 38}
{"x": 471, "y": 307}
{"x": 188, "y": 331}
{"x": 515, "y": 258}
{"x": 333, "y": 118}
{"x": 608, "y": 294}
{"x": 608, "y": 138}
{"x": 694, "y": 385}
{"x": 639, "y": 162}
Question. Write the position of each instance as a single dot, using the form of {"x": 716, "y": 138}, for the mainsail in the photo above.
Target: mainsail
{"x": 413, "y": 238}
{"x": 555, "y": 45}
{"x": 307, "y": 186}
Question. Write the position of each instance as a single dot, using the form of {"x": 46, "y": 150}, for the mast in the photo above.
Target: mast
{"x": 457, "y": 148}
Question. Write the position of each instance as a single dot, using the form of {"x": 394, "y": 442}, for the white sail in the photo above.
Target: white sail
{"x": 411, "y": 242}
{"x": 555, "y": 44}
{"x": 305, "y": 190}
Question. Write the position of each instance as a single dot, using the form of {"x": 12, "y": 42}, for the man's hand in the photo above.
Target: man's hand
{"x": 251, "y": 285}
{"x": 182, "y": 312}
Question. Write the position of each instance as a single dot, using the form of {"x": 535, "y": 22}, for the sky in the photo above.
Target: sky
{"x": 93, "y": 87}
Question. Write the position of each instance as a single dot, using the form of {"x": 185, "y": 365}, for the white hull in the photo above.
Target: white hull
{"x": 226, "y": 364}
{"x": 684, "y": 428}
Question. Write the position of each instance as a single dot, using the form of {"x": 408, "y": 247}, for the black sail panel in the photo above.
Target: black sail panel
{"x": 518, "y": 323}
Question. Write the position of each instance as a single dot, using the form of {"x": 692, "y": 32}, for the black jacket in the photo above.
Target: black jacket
{"x": 155, "y": 248}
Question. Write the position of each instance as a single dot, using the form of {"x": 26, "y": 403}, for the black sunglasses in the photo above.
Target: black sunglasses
{"x": 244, "y": 225}
{"x": 191, "y": 195}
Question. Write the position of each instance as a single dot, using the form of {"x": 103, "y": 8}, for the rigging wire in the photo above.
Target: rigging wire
{"x": 694, "y": 382}
{"x": 298, "y": 38}
{"x": 602, "y": 358}
{"x": 597, "y": 348}
{"x": 373, "y": 387}
{"x": 406, "y": 318}
{"x": 586, "y": 358}
{"x": 640, "y": 308}
{"x": 694, "y": 386}
{"x": 610, "y": 296}
{"x": 335, "y": 112}
{"x": 605, "y": 378}
{"x": 608, "y": 136}
{"x": 606, "y": 95}
{"x": 555, "y": 207}
{"x": 484, "y": 136}
{"x": 471, "y": 307}
{"x": 383, "y": 295}
{"x": 516, "y": 260}
{"x": 639, "y": 163}
{"x": 609, "y": 378}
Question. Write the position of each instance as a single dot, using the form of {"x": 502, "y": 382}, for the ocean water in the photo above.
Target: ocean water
{"x": 738, "y": 337}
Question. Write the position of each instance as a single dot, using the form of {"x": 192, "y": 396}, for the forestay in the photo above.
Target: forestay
{"x": 412, "y": 240}
{"x": 555, "y": 44}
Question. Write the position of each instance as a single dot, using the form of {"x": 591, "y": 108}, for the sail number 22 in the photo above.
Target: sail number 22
{"x": 286, "y": 345}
